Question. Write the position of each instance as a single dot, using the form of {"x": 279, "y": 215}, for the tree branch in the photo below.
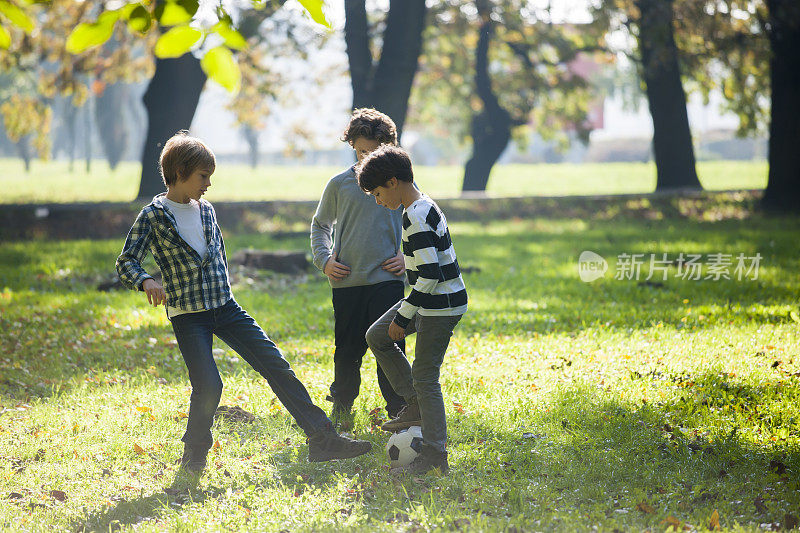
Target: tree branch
{"x": 356, "y": 36}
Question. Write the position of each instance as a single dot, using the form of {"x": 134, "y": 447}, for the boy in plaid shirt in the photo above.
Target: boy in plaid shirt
{"x": 181, "y": 231}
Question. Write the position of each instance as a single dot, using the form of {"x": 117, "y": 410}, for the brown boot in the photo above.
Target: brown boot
{"x": 327, "y": 444}
{"x": 408, "y": 416}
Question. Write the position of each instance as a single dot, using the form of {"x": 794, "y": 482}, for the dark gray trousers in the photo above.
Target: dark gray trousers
{"x": 422, "y": 378}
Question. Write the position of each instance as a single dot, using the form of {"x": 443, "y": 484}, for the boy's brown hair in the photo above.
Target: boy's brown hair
{"x": 383, "y": 164}
{"x": 182, "y": 155}
{"x": 370, "y": 124}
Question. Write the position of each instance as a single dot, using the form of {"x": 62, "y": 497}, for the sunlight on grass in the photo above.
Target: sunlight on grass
{"x": 52, "y": 181}
{"x": 613, "y": 404}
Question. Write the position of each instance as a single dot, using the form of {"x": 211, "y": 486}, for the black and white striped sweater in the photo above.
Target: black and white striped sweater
{"x": 431, "y": 265}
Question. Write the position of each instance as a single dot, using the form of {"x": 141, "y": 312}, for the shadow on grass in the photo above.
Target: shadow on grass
{"x": 131, "y": 512}
{"x": 587, "y": 460}
{"x": 580, "y": 459}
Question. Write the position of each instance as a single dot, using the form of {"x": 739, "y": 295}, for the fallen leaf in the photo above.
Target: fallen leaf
{"x": 459, "y": 408}
{"x": 138, "y": 449}
{"x": 143, "y": 409}
{"x": 713, "y": 522}
{"x": 645, "y": 508}
{"x": 59, "y": 495}
{"x": 673, "y": 522}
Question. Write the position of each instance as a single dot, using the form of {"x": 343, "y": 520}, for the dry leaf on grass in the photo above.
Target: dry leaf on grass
{"x": 645, "y": 508}
{"x": 713, "y": 522}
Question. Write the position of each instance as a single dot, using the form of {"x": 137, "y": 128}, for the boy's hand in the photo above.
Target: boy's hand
{"x": 396, "y": 333}
{"x": 335, "y": 270}
{"x": 155, "y": 292}
{"x": 396, "y": 265}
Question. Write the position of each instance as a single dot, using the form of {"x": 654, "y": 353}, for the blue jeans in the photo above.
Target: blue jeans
{"x": 229, "y": 322}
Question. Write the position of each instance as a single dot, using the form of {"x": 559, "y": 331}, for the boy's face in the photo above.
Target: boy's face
{"x": 364, "y": 147}
{"x": 387, "y": 195}
{"x": 193, "y": 187}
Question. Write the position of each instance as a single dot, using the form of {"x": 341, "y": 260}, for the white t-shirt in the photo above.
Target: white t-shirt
{"x": 190, "y": 228}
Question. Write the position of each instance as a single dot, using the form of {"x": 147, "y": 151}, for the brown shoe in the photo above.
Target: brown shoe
{"x": 408, "y": 416}
{"x": 327, "y": 444}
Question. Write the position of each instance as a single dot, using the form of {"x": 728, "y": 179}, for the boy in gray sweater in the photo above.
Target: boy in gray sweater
{"x": 363, "y": 263}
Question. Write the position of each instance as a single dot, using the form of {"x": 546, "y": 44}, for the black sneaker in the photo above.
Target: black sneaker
{"x": 194, "y": 460}
{"x": 429, "y": 459}
{"x": 408, "y": 416}
{"x": 326, "y": 444}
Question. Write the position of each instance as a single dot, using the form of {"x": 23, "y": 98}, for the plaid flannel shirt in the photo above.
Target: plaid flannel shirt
{"x": 190, "y": 283}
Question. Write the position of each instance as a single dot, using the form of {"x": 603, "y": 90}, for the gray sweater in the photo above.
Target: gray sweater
{"x": 366, "y": 234}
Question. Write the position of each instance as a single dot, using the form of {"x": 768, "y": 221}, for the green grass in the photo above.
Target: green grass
{"x": 52, "y": 182}
{"x": 617, "y": 405}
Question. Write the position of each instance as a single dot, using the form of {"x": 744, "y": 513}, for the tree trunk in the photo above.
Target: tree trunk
{"x": 783, "y": 185}
{"x": 71, "y": 115}
{"x": 490, "y": 136}
{"x": 251, "y": 136}
{"x": 491, "y": 128}
{"x": 24, "y": 151}
{"x": 170, "y": 100}
{"x": 112, "y": 122}
{"x": 87, "y": 134}
{"x": 672, "y": 139}
{"x": 387, "y": 85}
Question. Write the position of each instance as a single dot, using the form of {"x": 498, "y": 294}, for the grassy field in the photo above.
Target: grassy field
{"x": 52, "y": 182}
{"x": 612, "y": 405}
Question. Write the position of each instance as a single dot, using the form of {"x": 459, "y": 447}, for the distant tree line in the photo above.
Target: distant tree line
{"x": 484, "y": 70}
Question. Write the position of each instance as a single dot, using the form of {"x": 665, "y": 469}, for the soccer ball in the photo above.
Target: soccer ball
{"x": 404, "y": 447}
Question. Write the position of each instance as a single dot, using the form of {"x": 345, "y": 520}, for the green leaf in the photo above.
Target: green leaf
{"x": 90, "y": 34}
{"x": 175, "y": 12}
{"x": 233, "y": 39}
{"x": 220, "y": 66}
{"x": 314, "y": 8}
{"x": 177, "y": 41}
{"x": 16, "y": 16}
{"x": 139, "y": 19}
{"x": 5, "y": 38}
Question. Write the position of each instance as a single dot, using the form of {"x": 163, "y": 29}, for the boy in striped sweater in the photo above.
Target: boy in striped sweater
{"x": 437, "y": 301}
